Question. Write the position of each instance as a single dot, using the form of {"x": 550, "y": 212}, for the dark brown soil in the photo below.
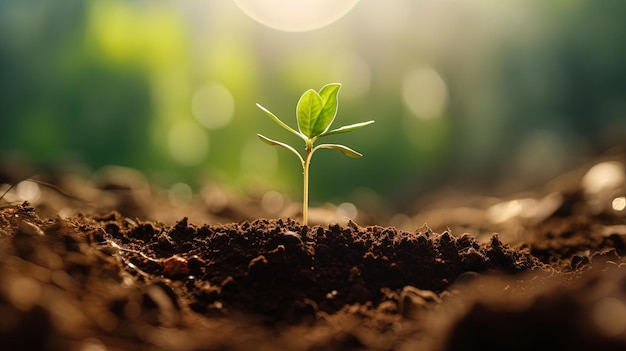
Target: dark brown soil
{"x": 110, "y": 279}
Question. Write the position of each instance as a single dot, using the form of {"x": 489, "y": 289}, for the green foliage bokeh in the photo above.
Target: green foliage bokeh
{"x": 528, "y": 86}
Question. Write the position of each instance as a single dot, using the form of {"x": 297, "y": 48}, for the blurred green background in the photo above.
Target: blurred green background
{"x": 463, "y": 92}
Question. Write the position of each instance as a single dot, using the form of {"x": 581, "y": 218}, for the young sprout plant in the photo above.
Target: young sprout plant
{"x": 315, "y": 113}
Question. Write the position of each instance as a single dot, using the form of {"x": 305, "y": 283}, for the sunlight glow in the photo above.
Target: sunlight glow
{"x": 296, "y": 15}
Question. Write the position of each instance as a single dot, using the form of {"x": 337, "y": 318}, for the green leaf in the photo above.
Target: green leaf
{"x": 329, "y": 107}
{"x": 346, "y": 129}
{"x": 307, "y": 112}
{"x": 279, "y": 122}
{"x": 278, "y": 143}
{"x": 344, "y": 149}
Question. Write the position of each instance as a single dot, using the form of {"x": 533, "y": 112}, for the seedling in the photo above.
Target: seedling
{"x": 315, "y": 113}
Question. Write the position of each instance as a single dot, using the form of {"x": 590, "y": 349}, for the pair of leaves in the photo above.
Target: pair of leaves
{"x": 315, "y": 113}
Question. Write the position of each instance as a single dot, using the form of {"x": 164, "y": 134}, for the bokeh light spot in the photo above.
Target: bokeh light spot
{"x": 272, "y": 202}
{"x": 93, "y": 344}
{"x": 180, "y": 194}
{"x": 425, "y": 93}
{"x": 213, "y": 105}
{"x": 23, "y": 292}
{"x": 215, "y": 197}
{"x": 604, "y": 176}
{"x": 27, "y": 191}
{"x": 296, "y": 15}
{"x": 187, "y": 143}
{"x": 347, "y": 209}
{"x": 619, "y": 203}
{"x": 401, "y": 221}
{"x": 609, "y": 316}
{"x": 504, "y": 211}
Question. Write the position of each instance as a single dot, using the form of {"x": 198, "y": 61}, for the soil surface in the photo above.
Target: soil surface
{"x": 112, "y": 263}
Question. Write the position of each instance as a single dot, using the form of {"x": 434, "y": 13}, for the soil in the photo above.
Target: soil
{"x": 103, "y": 265}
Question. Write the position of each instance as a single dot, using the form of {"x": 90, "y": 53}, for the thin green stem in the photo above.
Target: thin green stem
{"x": 305, "y": 168}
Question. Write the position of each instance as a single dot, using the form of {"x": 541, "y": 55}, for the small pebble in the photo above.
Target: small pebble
{"x": 175, "y": 266}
